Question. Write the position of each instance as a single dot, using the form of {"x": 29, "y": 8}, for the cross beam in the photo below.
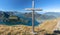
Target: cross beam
{"x": 33, "y": 9}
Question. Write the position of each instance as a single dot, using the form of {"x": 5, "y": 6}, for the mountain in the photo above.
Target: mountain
{"x": 29, "y": 15}
{"x": 40, "y": 16}
{"x": 46, "y": 17}
{"x": 56, "y": 14}
{"x": 26, "y": 21}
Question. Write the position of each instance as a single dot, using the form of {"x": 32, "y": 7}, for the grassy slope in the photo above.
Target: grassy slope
{"x": 47, "y": 26}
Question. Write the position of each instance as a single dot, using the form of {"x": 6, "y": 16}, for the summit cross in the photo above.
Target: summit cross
{"x": 33, "y": 9}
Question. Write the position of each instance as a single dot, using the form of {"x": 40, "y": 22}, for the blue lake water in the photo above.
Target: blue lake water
{"x": 20, "y": 23}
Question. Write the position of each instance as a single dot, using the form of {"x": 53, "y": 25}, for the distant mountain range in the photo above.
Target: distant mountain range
{"x": 56, "y": 14}
{"x": 40, "y": 16}
{"x": 47, "y": 15}
{"x": 28, "y": 16}
{"x": 6, "y": 15}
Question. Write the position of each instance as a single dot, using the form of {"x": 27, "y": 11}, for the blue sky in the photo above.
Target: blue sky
{"x": 20, "y": 5}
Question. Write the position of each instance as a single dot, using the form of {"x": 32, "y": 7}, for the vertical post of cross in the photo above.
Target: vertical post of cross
{"x": 33, "y": 15}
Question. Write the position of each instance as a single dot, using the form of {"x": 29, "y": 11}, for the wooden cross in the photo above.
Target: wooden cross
{"x": 33, "y": 9}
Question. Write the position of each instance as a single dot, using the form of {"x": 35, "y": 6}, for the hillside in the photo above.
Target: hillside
{"x": 16, "y": 30}
{"x": 49, "y": 25}
{"x": 46, "y": 27}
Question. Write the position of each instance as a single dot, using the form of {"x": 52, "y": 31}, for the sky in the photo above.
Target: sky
{"x": 20, "y": 5}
